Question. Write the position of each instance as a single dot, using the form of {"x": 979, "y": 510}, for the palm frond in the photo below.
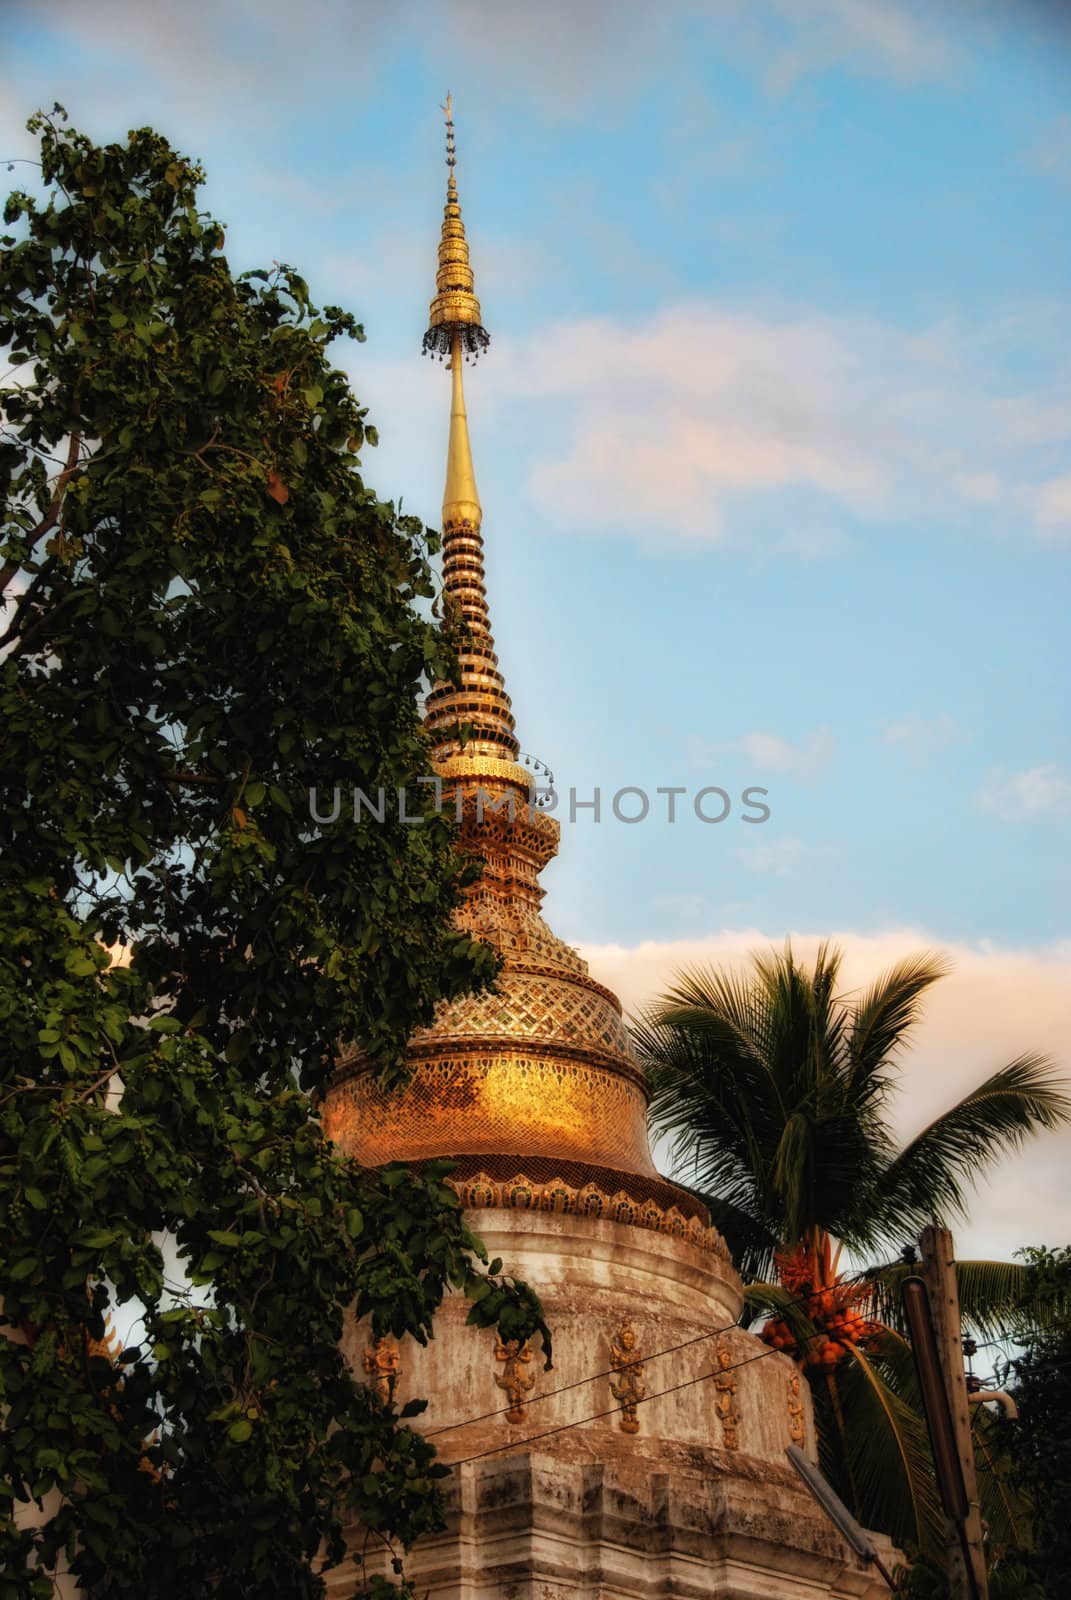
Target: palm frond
{"x": 792, "y": 1043}
{"x": 1004, "y": 1299}
{"x": 931, "y": 1175}
{"x": 889, "y": 1457}
{"x": 711, "y": 1108}
{"x": 886, "y": 1014}
{"x": 997, "y": 1299}
{"x": 765, "y": 1299}
{"x": 715, "y": 992}
{"x": 793, "y": 1174}
{"x": 1005, "y": 1512}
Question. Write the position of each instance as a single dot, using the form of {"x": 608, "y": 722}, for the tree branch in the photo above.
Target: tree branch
{"x": 51, "y": 516}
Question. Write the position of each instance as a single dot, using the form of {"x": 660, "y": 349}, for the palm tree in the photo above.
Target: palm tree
{"x": 775, "y": 1092}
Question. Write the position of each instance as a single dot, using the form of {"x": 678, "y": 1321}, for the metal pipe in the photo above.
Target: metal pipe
{"x": 1002, "y": 1398}
{"x": 916, "y": 1303}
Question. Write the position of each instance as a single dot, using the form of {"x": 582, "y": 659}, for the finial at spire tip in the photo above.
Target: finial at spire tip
{"x": 454, "y": 318}
{"x": 448, "y": 111}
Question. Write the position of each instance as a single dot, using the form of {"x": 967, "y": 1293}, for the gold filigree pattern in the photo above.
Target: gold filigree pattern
{"x": 504, "y": 1101}
{"x": 524, "y": 1192}
{"x": 725, "y": 1403}
{"x": 527, "y": 1006}
{"x": 629, "y": 1388}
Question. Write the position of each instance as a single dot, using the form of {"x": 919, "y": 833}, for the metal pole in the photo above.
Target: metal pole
{"x": 838, "y": 1513}
{"x": 966, "y": 1555}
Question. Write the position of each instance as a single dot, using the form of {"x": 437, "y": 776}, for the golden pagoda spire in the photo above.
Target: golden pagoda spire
{"x": 455, "y": 310}
{"x": 455, "y": 328}
{"x": 531, "y": 1085}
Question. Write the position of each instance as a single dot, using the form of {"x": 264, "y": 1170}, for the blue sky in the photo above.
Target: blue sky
{"x": 774, "y": 435}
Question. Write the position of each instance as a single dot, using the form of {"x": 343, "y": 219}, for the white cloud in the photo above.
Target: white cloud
{"x": 875, "y": 37}
{"x": 805, "y": 759}
{"x": 1027, "y": 796}
{"x": 922, "y": 737}
{"x": 1054, "y": 502}
{"x": 571, "y": 58}
{"x": 663, "y": 427}
{"x": 995, "y": 1004}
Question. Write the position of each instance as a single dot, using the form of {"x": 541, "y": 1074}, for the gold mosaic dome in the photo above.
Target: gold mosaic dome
{"x": 533, "y": 1087}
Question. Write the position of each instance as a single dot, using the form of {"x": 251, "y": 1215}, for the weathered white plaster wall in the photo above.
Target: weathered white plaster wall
{"x": 594, "y": 1512}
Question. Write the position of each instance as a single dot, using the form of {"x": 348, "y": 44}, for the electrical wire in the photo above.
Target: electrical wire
{"x": 609, "y": 1372}
{"x": 611, "y": 1411}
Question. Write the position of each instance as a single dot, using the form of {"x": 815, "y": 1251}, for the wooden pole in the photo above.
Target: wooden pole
{"x": 966, "y": 1564}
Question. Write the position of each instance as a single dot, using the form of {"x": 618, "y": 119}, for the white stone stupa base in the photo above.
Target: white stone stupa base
{"x": 683, "y": 1506}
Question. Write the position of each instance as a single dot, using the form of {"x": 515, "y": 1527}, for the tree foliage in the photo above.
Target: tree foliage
{"x": 776, "y": 1093}
{"x": 207, "y": 613}
{"x": 1039, "y": 1442}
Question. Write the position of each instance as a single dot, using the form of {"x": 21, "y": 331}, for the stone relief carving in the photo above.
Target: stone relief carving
{"x": 797, "y": 1431}
{"x": 515, "y": 1376}
{"x": 725, "y": 1403}
{"x": 382, "y": 1363}
{"x": 629, "y": 1388}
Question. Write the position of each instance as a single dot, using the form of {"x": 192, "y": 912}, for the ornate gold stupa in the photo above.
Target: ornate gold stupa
{"x": 532, "y": 1087}
{"x": 653, "y": 1463}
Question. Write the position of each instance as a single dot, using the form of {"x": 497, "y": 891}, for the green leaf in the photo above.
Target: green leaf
{"x": 165, "y": 1025}
{"x": 193, "y": 660}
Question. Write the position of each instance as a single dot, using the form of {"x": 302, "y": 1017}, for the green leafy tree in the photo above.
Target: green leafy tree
{"x": 775, "y": 1092}
{"x": 206, "y": 614}
{"x": 1039, "y": 1442}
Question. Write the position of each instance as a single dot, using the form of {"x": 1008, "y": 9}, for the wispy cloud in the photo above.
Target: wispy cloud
{"x": 873, "y": 37}
{"x": 1032, "y": 795}
{"x": 805, "y": 759}
{"x": 1053, "y": 507}
{"x": 669, "y": 424}
{"x": 920, "y": 738}
{"x": 572, "y": 58}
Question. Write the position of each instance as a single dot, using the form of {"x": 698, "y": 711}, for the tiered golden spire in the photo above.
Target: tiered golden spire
{"x": 531, "y": 1087}
{"x": 455, "y": 311}
{"x": 480, "y": 703}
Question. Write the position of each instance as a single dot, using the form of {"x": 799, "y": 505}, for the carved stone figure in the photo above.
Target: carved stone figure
{"x": 515, "y": 1377}
{"x": 629, "y": 1388}
{"x": 725, "y": 1402}
{"x": 796, "y": 1426}
{"x": 383, "y": 1365}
